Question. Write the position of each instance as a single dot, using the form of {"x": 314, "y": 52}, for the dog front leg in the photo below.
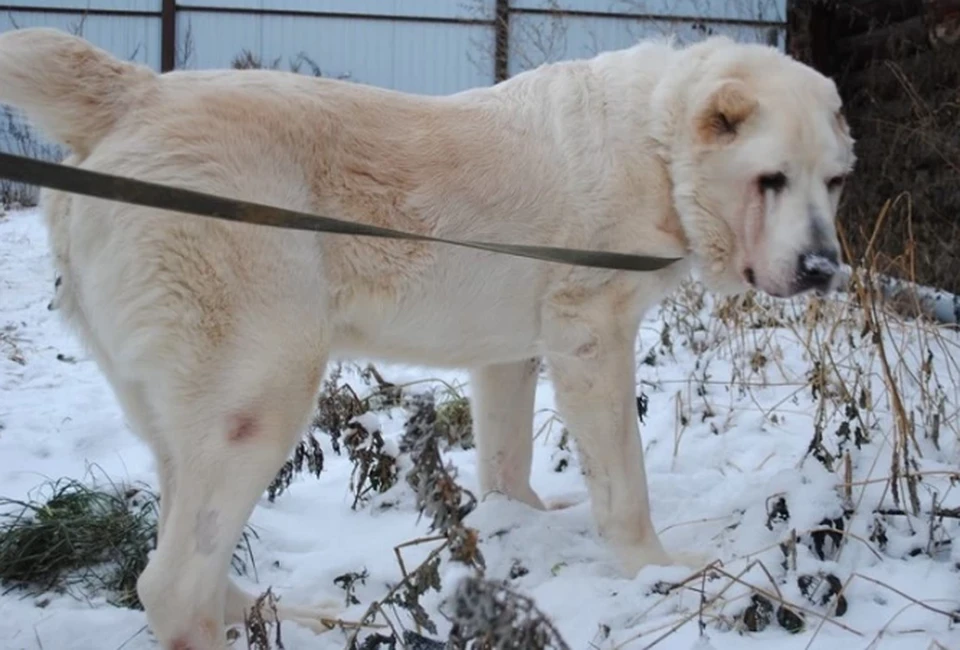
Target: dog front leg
{"x": 502, "y": 402}
{"x": 595, "y": 394}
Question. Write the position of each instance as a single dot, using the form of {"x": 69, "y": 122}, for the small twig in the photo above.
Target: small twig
{"x": 773, "y": 582}
{"x": 132, "y": 637}
{"x": 705, "y": 520}
{"x": 703, "y": 601}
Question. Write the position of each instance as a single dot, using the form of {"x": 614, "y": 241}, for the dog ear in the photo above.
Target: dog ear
{"x": 727, "y": 107}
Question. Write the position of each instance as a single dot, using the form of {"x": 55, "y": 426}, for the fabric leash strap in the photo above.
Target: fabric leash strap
{"x": 154, "y": 195}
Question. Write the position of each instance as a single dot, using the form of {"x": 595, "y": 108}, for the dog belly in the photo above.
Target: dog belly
{"x": 441, "y": 339}
{"x": 444, "y": 332}
{"x": 467, "y": 310}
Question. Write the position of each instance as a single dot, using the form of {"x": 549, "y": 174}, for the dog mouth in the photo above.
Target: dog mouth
{"x": 750, "y": 277}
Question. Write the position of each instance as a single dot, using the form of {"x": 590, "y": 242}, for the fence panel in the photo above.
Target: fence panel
{"x": 411, "y": 55}
{"x": 451, "y": 9}
{"x": 422, "y": 46}
{"x": 86, "y": 5}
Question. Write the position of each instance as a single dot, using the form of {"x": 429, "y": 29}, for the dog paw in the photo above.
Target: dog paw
{"x": 634, "y": 558}
{"x": 561, "y": 504}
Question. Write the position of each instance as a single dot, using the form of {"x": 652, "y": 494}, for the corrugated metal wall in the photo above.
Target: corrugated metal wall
{"x": 424, "y": 46}
{"x": 421, "y": 50}
{"x": 134, "y": 36}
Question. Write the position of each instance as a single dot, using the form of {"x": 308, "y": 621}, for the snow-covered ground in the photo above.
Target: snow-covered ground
{"x": 734, "y": 398}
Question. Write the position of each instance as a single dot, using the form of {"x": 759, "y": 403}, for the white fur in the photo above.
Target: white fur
{"x": 215, "y": 335}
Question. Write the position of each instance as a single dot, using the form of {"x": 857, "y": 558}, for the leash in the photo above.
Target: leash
{"x": 155, "y": 195}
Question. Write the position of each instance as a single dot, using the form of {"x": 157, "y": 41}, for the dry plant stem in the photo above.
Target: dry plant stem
{"x": 846, "y": 534}
{"x": 847, "y": 477}
{"x": 759, "y": 467}
{"x": 773, "y": 597}
{"x": 949, "y": 615}
{"x": 848, "y": 488}
{"x": 773, "y": 582}
{"x": 413, "y": 542}
{"x": 948, "y": 513}
{"x": 707, "y": 617}
{"x": 883, "y": 630}
{"x": 678, "y": 427}
{"x": 905, "y": 431}
{"x": 332, "y": 623}
{"x": 674, "y": 587}
{"x": 868, "y": 252}
{"x": 686, "y": 619}
{"x": 809, "y": 531}
{"x": 429, "y": 380}
{"x": 122, "y": 645}
{"x": 548, "y": 424}
{"x": 903, "y": 422}
{"x": 706, "y": 520}
{"x": 703, "y": 601}
{"x": 403, "y": 568}
{"x": 816, "y": 632}
{"x": 887, "y": 479}
{"x": 375, "y": 605}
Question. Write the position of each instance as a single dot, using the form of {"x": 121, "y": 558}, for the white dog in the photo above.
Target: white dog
{"x": 215, "y": 335}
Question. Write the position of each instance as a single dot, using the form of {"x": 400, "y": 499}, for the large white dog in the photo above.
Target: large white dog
{"x": 215, "y": 335}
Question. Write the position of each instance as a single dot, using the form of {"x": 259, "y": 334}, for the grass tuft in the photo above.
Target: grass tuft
{"x": 84, "y": 540}
{"x": 79, "y": 537}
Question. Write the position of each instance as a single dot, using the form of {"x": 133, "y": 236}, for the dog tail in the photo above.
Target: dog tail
{"x": 72, "y": 90}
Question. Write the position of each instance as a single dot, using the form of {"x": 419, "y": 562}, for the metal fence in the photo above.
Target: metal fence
{"x": 422, "y": 46}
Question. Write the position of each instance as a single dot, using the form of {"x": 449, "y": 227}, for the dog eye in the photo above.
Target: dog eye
{"x": 835, "y": 183}
{"x": 775, "y": 182}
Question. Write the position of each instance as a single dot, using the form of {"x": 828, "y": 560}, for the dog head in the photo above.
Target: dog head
{"x": 759, "y": 152}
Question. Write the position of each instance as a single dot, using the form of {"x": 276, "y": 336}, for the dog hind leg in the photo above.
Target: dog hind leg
{"x": 226, "y": 446}
{"x": 238, "y": 602}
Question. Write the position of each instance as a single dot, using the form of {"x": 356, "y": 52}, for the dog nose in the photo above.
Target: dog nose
{"x": 816, "y": 270}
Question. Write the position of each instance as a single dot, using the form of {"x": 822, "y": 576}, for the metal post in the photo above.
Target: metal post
{"x": 501, "y": 54}
{"x": 168, "y": 35}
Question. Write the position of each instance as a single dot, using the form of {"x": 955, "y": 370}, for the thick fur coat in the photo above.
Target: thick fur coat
{"x": 214, "y": 336}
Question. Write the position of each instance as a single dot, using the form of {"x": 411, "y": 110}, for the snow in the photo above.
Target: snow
{"x": 730, "y": 417}
{"x": 819, "y": 264}
{"x": 942, "y": 306}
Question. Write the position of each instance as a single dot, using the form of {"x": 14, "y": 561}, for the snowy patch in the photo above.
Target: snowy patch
{"x": 774, "y": 441}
